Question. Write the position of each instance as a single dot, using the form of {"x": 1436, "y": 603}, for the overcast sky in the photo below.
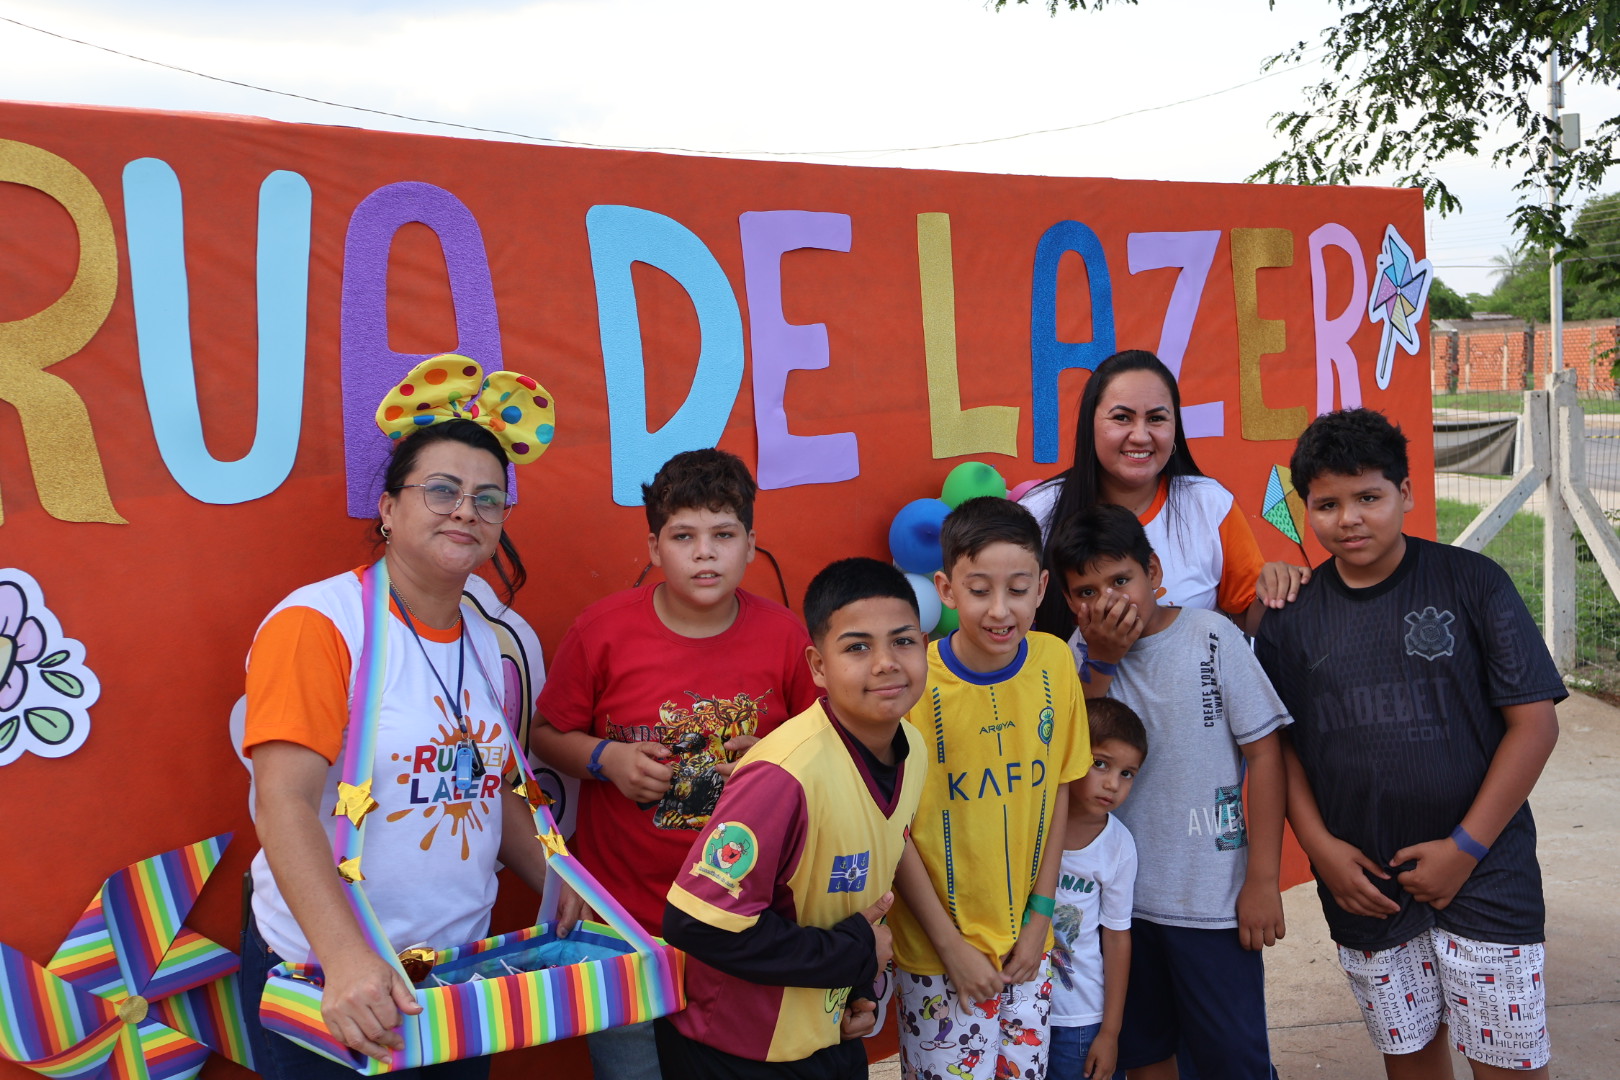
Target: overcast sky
{"x": 855, "y": 81}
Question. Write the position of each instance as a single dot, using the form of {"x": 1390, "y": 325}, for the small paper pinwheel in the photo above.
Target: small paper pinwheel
{"x": 1400, "y": 290}
{"x": 131, "y": 993}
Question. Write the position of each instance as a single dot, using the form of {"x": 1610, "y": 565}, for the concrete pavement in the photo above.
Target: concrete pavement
{"x": 1316, "y": 1032}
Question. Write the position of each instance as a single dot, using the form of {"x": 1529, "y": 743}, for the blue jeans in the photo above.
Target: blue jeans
{"x": 276, "y": 1058}
{"x": 624, "y": 1053}
{"x": 1070, "y": 1045}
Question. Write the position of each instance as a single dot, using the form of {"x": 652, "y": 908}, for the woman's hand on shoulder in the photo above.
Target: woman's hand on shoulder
{"x": 362, "y": 1003}
{"x": 1279, "y": 582}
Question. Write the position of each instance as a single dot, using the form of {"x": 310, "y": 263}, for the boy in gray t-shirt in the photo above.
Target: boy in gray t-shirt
{"x": 1207, "y": 897}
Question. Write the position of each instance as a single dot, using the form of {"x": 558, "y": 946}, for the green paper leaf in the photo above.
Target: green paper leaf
{"x": 64, "y": 683}
{"x": 8, "y": 731}
{"x": 51, "y": 725}
{"x": 54, "y": 659}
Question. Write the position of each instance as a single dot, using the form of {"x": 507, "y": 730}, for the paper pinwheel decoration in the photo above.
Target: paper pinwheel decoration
{"x": 1400, "y": 290}
{"x": 131, "y": 992}
{"x": 1282, "y": 506}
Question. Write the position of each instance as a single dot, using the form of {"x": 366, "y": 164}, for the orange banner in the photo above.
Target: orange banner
{"x": 198, "y": 316}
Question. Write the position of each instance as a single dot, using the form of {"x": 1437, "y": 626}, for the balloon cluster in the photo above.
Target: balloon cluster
{"x": 914, "y": 536}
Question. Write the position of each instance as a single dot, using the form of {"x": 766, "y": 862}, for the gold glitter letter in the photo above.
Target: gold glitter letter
{"x": 56, "y": 426}
{"x": 1253, "y": 249}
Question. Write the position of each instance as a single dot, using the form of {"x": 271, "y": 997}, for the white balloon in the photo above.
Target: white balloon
{"x": 927, "y": 600}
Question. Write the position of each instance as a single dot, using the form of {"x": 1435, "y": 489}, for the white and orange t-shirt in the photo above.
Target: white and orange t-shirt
{"x": 429, "y": 855}
{"x": 1201, "y": 536}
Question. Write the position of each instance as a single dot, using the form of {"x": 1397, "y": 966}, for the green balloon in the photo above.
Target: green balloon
{"x": 969, "y": 480}
{"x": 948, "y": 621}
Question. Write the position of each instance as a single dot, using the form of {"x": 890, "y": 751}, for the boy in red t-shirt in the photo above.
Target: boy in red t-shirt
{"x": 655, "y": 692}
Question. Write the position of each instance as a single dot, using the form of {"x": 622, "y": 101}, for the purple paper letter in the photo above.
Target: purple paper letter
{"x": 786, "y": 459}
{"x": 1333, "y": 352}
{"x": 1193, "y": 253}
{"x": 370, "y": 367}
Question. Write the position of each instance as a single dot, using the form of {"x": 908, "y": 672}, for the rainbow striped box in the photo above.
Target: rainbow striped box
{"x": 597, "y": 980}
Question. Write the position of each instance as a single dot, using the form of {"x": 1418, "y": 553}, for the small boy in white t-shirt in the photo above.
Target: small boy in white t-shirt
{"x": 1095, "y": 890}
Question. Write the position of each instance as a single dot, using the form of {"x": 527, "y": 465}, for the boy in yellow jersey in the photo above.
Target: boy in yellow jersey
{"x": 1003, "y": 723}
{"x": 778, "y": 904}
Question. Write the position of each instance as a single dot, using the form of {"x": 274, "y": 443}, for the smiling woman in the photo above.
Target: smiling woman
{"x": 1130, "y": 450}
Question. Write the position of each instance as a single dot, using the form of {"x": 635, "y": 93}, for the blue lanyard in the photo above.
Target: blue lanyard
{"x": 469, "y": 763}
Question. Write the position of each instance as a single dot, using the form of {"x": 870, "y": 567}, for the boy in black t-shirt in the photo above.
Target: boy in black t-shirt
{"x": 1422, "y": 698}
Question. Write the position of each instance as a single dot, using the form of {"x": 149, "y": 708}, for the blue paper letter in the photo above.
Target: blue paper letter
{"x": 619, "y": 236}
{"x": 154, "y": 220}
{"x": 1048, "y": 356}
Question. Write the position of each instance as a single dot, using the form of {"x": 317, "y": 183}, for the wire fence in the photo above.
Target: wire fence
{"x": 1481, "y": 373}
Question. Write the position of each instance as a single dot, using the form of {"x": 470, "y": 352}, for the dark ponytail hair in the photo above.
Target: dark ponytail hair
{"x": 402, "y": 462}
{"x": 1081, "y": 488}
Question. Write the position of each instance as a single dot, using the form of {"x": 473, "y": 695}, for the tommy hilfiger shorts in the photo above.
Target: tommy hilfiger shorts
{"x": 1493, "y": 997}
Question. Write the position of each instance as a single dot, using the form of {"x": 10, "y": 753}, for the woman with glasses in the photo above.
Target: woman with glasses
{"x": 437, "y": 816}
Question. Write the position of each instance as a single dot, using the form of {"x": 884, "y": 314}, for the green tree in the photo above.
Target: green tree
{"x": 1412, "y": 81}
{"x": 1591, "y": 275}
{"x": 1509, "y": 263}
{"x": 1446, "y": 303}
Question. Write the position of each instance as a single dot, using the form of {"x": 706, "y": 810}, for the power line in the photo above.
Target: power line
{"x": 616, "y": 146}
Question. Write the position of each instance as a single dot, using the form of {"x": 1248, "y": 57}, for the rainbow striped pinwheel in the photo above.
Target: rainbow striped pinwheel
{"x": 131, "y": 993}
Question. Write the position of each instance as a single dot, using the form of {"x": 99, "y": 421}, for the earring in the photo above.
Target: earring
{"x": 387, "y": 537}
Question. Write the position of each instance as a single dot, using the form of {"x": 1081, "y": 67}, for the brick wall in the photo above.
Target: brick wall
{"x": 1491, "y": 355}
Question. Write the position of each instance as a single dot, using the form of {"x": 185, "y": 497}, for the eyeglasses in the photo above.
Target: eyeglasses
{"x": 442, "y": 498}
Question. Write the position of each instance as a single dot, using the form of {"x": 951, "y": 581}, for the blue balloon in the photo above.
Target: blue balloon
{"x": 928, "y": 605}
{"x": 914, "y": 536}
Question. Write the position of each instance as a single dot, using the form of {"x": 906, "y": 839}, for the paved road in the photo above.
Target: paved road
{"x": 1316, "y": 1031}
{"x": 1603, "y": 455}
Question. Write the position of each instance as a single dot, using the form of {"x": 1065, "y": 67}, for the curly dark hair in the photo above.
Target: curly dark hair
{"x": 1348, "y": 442}
{"x": 700, "y": 479}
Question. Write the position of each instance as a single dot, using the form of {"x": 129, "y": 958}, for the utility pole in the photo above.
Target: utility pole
{"x": 1558, "y": 526}
{"x": 1555, "y": 101}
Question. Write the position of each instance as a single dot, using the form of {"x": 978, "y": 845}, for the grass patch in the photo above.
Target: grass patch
{"x": 1513, "y": 401}
{"x": 1517, "y": 549}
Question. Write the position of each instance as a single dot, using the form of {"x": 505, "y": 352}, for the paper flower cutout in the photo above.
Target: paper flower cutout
{"x": 1282, "y": 506}
{"x": 1400, "y": 291}
{"x": 131, "y": 992}
{"x": 45, "y": 689}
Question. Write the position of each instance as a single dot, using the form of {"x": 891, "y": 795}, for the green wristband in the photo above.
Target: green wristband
{"x": 1040, "y": 905}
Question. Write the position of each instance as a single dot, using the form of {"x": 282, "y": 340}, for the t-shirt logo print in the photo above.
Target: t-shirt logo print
{"x": 1430, "y": 633}
{"x": 696, "y": 738}
{"x": 1048, "y": 718}
{"x": 728, "y": 855}
{"x": 849, "y": 872}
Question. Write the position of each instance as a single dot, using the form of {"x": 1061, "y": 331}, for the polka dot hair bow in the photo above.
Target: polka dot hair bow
{"x": 515, "y": 408}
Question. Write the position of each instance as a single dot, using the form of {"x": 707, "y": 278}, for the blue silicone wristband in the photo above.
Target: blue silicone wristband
{"x": 595, "y": 766}
{"x": 1101, "y": 667}
{"x": 1468, "y": 845}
